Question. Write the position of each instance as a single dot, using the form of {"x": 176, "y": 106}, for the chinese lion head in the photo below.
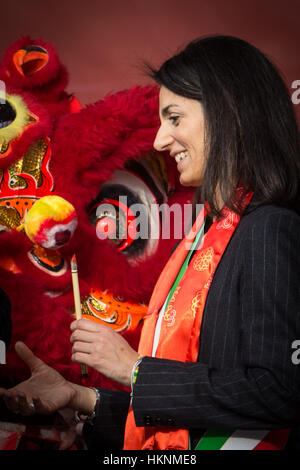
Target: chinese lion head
{"x": 113, "y": 195}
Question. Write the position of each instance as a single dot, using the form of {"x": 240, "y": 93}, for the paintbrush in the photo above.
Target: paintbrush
{"x": 77, "y": 303}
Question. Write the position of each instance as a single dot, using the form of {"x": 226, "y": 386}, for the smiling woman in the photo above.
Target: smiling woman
{"x": 252, "y": 138}
{"x": 213, "y": 368}
{"x": 182, "y": 134}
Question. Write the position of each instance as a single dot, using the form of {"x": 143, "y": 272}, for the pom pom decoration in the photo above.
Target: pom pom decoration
{"x": 50, "y": 222}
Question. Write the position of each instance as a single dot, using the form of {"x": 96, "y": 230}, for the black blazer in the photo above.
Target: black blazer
{"x": 245, "y": 377}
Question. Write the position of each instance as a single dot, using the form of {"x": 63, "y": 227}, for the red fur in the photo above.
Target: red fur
{"x": 48, "y": 85}
{"x": 53, "y": 78}
{"x": 87, "y": 147}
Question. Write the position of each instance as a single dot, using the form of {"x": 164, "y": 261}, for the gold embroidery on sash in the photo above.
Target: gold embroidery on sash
{"x": 203, "y": 260}
{"x": 197, "y": 300}
{"x": 168, "y": 316}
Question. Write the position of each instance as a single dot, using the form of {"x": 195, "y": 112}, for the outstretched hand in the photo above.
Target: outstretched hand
{"x": 45, "y": 392}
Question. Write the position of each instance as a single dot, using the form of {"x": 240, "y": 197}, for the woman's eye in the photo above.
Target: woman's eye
{"x": 174, "y": 119}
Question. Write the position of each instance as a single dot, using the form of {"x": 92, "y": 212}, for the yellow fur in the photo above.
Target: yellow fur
{"x": 22, "y": 118}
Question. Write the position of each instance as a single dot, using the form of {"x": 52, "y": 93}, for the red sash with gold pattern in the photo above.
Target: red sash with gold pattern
{"x": 181, "y": 324}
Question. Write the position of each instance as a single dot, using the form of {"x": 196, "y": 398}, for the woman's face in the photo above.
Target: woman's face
{"x": 182, "y": 134}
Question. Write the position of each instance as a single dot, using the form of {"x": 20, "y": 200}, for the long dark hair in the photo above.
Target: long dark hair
{"x": 253, "y": 139}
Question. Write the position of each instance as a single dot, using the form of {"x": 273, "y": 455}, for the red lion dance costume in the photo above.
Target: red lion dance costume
{"x": 97, "y": 158}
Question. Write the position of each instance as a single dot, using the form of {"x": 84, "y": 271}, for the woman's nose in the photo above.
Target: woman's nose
{"x": 162, "y": 140}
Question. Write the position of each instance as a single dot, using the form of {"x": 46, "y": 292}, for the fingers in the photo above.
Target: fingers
{"x": 79, "y": 346}
{"x": 83, "y": 358}
{"x": 11, "y": 401}
{"x": 27, "y": 355}
{"x": 39, "y": 407}
{"x": 89, "y": 331}
{"x": 26, "y": 408}
{"x": 18, "y": 403}
{"x": 83, "y": 336}
{"x": 85, "y": 339}
{"x": 87, "y": 325}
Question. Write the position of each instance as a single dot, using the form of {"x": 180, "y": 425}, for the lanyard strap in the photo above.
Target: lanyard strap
{"x": 195, "y": 245}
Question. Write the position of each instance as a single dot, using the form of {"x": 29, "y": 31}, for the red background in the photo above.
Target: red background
{"x": 103, "y": 42}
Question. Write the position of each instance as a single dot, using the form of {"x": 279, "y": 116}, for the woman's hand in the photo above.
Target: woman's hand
{"x": 45, "y": 392}
{"x": 100, "y": 347}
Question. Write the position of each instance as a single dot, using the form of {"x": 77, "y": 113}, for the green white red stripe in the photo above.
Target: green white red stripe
{"x": 240, "y": 439}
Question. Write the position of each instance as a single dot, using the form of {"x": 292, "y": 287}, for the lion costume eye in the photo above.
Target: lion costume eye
{"x": 113, "y": 219}
{"x": 14, "y": 119}
{"x": 126, "y": 210}
{"x": 30, "y": 60}
{"x": 7, "y": 114}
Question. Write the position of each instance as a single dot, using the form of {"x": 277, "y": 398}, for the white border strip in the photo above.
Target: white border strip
{"x": 245, "y": 439}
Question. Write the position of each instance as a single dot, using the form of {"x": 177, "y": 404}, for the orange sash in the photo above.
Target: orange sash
{"x": 181, "y": 323}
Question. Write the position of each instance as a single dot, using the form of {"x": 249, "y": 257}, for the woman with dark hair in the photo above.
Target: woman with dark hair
{"x": 214, "y": 368}
{"x": 252, "y": 139}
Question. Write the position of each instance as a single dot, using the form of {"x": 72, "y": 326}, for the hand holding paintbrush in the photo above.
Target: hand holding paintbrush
{"x": 77, "y": 303}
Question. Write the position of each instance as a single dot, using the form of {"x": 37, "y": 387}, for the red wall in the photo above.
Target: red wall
{"x": 103, "y": 42}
